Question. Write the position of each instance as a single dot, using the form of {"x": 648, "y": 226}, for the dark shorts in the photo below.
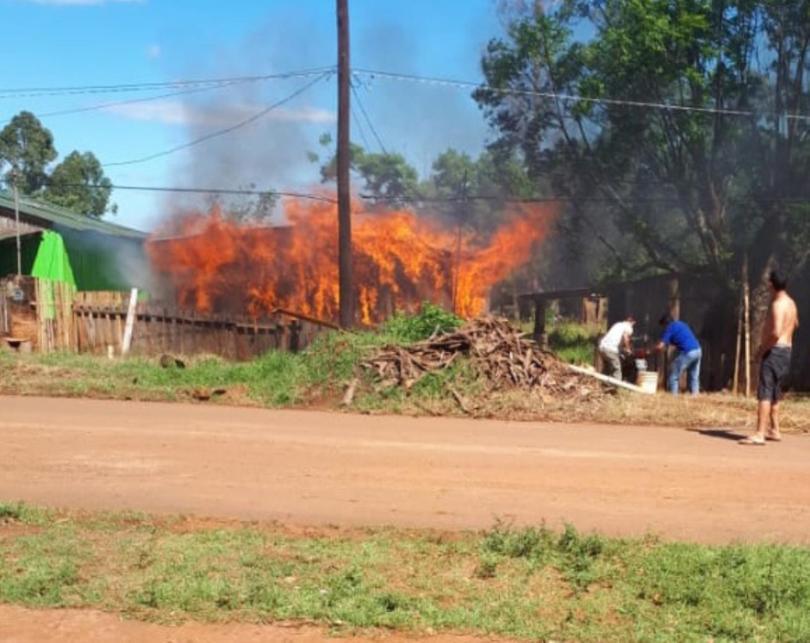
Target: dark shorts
{"x": 772, "y": 373}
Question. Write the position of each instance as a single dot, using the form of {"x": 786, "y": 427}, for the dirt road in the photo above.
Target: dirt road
{"x": 317, "y": 468}
{"x": 21, "y": 625}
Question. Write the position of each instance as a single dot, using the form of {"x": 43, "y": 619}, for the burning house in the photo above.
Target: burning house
{"x": 208, "y": 284}
{"x": 400, "y": 260}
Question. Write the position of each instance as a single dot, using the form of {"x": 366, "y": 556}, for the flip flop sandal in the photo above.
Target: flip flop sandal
{"x": 752, "y": 442}
{"x": 771, "y": 438}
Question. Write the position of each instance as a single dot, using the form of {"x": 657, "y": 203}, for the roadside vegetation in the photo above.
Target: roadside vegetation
{"x": 319, "y": 376}
{"x": 528, "y": 583}
{"x": 574, "y": 343}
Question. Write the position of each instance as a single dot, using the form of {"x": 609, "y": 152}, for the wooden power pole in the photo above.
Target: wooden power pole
{"x": 346, "y": 285}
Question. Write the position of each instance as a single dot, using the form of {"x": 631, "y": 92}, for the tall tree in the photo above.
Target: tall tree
{"x": 387, "y": 176}
{"x": 78, "y": 183}
{"x": 689, "y": 187}
{"x": 26, "y": 147}
{"x": 256, "y": 210}
{"x": 476, "y": 189}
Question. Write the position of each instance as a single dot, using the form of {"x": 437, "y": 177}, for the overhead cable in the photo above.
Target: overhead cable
{"x": 223, "y": 131}
{"x": 466, "y": 84}
{"x": 203, "y": 190}
{"x": 382, "y": 199}
{"x": 131, "y": 101}
{"x": 29, "y": 92}
{"x": 368, "y": 120}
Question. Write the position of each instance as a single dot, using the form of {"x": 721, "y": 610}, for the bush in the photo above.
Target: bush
{"x": 574, "y": 343}
{"x": 504, "y": 540}
{"x": 429, "y": 320}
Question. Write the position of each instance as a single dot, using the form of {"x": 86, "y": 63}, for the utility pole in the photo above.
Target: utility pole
{"x": 460, "y": 215}
{"x": 346, "y": 282}
{"x": 17, "y": 218}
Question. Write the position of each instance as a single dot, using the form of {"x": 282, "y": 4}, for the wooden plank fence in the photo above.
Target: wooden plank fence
{"x": 54, "y": 309}
{"x": 100, "y": 317}
{"x": 52, "y": 317}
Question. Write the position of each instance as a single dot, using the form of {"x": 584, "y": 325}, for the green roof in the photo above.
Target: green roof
{"x": 38, "y": 212}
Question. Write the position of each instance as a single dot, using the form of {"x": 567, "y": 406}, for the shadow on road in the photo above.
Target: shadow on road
{"x": 723, "y": 434}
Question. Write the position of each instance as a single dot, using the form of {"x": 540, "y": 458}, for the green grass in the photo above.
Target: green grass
{"x": 318, "y": 377}
{"x": 530, "y": 583}
{"x": 274, "y": 379}
{"x": 315, "y": 376}
{"x": 574, "y": 343}
{"x": 321, "y": 372}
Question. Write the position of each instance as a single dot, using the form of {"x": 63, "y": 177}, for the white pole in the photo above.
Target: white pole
{"x": 130, "y": 323}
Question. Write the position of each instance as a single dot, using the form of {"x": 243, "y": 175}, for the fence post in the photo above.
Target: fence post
{"x": 127, "y": 340}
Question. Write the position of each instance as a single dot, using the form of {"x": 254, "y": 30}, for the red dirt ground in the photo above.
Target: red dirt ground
{"x": 19, "y": 625}
{"x": 307, "y": 468}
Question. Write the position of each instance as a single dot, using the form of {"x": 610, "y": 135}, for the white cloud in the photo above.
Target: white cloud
{"x": 171, "y": 112}
{"x": 82, "y": 3}
{"x": 153, "y": 52}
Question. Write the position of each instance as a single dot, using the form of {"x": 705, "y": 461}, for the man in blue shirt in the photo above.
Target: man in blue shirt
{"x": 679, "y": 335}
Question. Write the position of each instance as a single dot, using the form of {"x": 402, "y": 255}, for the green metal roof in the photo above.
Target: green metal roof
{"x": 38, "y": 212}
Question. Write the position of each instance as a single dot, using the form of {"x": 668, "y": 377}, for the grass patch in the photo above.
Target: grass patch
{"x": 573, "y": 342}
{"x": 430, "y": 320}
{"x": 530, "y": 583}
{"x": 318, "y": 377}
{"x": 18, "y": 512}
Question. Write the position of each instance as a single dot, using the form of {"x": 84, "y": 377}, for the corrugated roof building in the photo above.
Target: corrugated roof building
{"x": 102, "y": 254}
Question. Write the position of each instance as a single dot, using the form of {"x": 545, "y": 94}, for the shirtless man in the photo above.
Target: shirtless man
{"x": 777, "y": 343}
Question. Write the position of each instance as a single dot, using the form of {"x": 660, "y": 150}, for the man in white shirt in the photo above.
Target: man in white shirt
{"x": 615, "y": 342}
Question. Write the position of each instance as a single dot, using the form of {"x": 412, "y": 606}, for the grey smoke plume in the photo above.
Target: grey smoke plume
{"x": 417, "y": 120}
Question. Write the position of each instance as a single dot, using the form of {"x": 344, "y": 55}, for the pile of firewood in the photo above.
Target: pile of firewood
{"x": 498, "y": 352}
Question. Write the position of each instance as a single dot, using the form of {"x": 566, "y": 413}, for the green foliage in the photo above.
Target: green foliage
{"x": 494, "y": 174}
{"x": 502, "y": 539}
{"x": 78, "y": 183}
{"x": 573, "y": 342}
{"x": 21, "y": 512}
{"x": 386, "y": 175}
{"x": 522, "y": 583}
{"x": 253, "y": 209}
{"x": 430, "y": 319}
{"x": 27, "y": 145}
{"x": 657, "y": 189}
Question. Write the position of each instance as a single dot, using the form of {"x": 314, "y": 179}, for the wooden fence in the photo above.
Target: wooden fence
{"x": 36, "y": 314}
{"x": 100, "y": 317}
{"x": 51, "y": 317}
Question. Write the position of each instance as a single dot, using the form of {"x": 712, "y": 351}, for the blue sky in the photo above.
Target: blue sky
{"x": 81, "y": 42}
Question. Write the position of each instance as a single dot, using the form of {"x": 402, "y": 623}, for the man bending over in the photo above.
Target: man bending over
{"x": 615, "y": 344}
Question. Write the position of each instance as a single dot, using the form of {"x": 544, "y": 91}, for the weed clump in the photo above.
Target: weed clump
{"x": 430, "y": 320}
{"x": 504, "y": 540}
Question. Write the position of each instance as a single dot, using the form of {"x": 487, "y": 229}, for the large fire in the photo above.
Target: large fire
{"x": 400, "y": 259}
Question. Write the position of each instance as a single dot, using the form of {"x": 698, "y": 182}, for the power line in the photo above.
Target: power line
{"x": 223, "y": 131}
{"x": 360, "y": 129}
{"x": 224, "y": 191}
{"x": 383, "y": 199}
{"x": 91, "y": 108}
{"x": 466, "y": 84}
{"x": 550, "y": 199}
{"x": 356, "y": 94}
{"x": 30, "y": 92}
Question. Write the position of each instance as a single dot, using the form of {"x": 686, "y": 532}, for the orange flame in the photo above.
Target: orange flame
{"x": 400, "y": 260}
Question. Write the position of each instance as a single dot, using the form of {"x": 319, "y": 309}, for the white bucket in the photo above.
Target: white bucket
{"x": 648, "y": 381}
